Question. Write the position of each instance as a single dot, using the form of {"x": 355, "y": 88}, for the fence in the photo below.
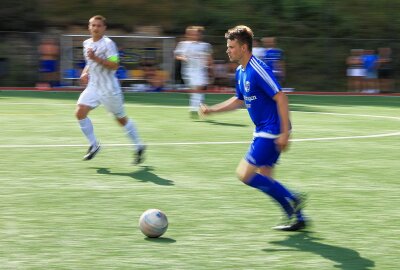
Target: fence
{"x": 19, "y": 58}
{"x": 313, "y": 64}
{"x": 137, "y": 53}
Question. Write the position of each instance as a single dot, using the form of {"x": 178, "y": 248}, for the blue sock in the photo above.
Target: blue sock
{"x": 275, "y": 190}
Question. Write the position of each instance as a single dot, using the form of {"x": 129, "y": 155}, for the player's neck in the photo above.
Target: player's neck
{"x": 96, "y": 38}
{"x": 245, "y": 60}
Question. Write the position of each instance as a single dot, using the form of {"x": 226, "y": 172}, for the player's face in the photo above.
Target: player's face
{"x": 234, "y": 50}
{"x": 96, "y": 28}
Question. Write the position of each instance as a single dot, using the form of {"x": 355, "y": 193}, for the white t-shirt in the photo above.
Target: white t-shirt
{"x": 103, "y": 87}
{"x": 101, "y": 78}
{"x": 195, "y": 68}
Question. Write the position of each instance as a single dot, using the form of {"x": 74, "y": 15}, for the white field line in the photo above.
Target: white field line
{"x": 215, "y": 143}
{"x": 199, "y": 143}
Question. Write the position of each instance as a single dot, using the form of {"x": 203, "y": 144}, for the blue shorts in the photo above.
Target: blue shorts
{"x": 263, "y": 152}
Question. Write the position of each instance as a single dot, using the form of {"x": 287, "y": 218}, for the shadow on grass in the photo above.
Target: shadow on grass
{"x": 223, "y": 124}
{"x": 344, "y": 258}
{"x": 161, "y": 240}
{"x": 144, "y": 174}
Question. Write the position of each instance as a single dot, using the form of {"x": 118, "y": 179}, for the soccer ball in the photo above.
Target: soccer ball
{"x": 153, "y": 223}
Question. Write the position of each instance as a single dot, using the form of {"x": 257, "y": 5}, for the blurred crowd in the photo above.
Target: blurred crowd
{"x": 370, "y": 71}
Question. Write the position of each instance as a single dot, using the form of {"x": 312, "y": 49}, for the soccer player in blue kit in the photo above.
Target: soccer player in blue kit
{"x": 257, "y": 88}
{"x": 274, "y": 58}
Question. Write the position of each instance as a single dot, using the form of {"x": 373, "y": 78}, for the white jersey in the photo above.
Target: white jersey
{"x": 103, "y": 87}
{"x": 101, "y": 78}
{"x": 195, "y": 68}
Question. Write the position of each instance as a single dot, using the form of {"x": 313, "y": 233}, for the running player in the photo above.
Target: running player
{"x": 257, "y": 88}
{"x": 102, "y": 61}
{"x": 196, "y": 58}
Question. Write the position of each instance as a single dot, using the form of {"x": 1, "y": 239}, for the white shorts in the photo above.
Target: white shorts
{"x": 356, "y": 72}
{"x": 113, "y": 102}
{"x": 196, "y": 79}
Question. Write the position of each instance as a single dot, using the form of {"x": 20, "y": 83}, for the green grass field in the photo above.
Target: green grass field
{"x": 59, "y": 212}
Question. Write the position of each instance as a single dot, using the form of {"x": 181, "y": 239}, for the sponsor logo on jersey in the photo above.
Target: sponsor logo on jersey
{"x": 247, "y": 86}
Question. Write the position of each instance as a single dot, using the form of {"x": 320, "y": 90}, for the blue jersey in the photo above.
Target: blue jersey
{"x": 257, "y": 86}
{"x": 272, "y": 57}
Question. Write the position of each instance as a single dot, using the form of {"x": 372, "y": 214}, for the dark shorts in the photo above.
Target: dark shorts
{"x": 385, "y": 73}
{"x": 263, "y": 152}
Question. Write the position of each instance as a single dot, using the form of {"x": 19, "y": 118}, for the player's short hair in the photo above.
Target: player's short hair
{"x": 100, "y": 18}
{"x": 243, "y": 34}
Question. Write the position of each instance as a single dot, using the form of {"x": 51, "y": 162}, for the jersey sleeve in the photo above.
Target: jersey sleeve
{"x": 112, "y": 52}
{"x": 179, "y": 50}
{"x": 266, "y": 81}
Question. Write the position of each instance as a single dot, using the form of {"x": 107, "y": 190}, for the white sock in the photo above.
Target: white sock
{"x": 87, "y": 129}
{"x": 195, "y": 100}
{"x": 133, "y": 134}
{"x": 192, "y": 103}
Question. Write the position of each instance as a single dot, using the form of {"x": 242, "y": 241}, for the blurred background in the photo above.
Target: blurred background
{"x": 316, "y": 36}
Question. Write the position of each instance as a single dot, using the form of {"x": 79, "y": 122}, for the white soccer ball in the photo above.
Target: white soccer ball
{"x": 153, "y": 223}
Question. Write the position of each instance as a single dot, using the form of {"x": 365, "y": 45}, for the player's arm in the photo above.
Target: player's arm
{"x": 111, "y": 62}
{"x": 84, "y": 78}
{"x": 283, "y": 110}
{"x": 228, "y": 105}
{"x": 179, "y": 54}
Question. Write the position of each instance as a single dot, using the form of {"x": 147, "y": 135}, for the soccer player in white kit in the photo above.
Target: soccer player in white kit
{"x": 102, "y": 61}
{"x": 197, "y": 62}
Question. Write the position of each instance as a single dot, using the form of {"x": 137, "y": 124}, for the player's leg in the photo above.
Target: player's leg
{"x": 248, "y": 174}
{"x": 197, "y": 84}
{"x": 114, "y": 104}
{"x": 256, "y": 170}
{"x": 131, "y": 131}
{"x": 86, "y": 102}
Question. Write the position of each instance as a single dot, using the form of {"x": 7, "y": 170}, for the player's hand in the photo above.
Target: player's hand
{"x": 282, "y": 142}
{"x": 203, "y": 110}
{"x": 91, "y": 54}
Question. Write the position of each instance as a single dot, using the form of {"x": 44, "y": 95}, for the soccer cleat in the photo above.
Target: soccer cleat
{"x": 292, "y": 226}
{"x": 139, "y": 155}
{"x": 92, "y": 151}
{"x": 194, "y": 115}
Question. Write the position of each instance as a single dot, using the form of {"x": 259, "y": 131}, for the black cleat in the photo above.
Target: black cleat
{"x": 139, "y": 155}
{"x": 296, "y": 225}
{"x": 92, "y": 151}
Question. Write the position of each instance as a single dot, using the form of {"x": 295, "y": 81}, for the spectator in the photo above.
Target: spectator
{"x": 258, "y": 50}
{"x": 385, "y": 70}
{"x": 370, "y": 63}
{"x": 355, "y": 70}
{"x": 155, "y": 78}
{"x": 274, "y": 58}
{"x": 49, "y": 54}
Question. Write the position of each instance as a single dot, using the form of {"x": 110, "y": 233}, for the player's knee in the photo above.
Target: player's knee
{"x": 122, "y": 121}
{"x": 80, "y": 113}
{"x": 241, "y": 175}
